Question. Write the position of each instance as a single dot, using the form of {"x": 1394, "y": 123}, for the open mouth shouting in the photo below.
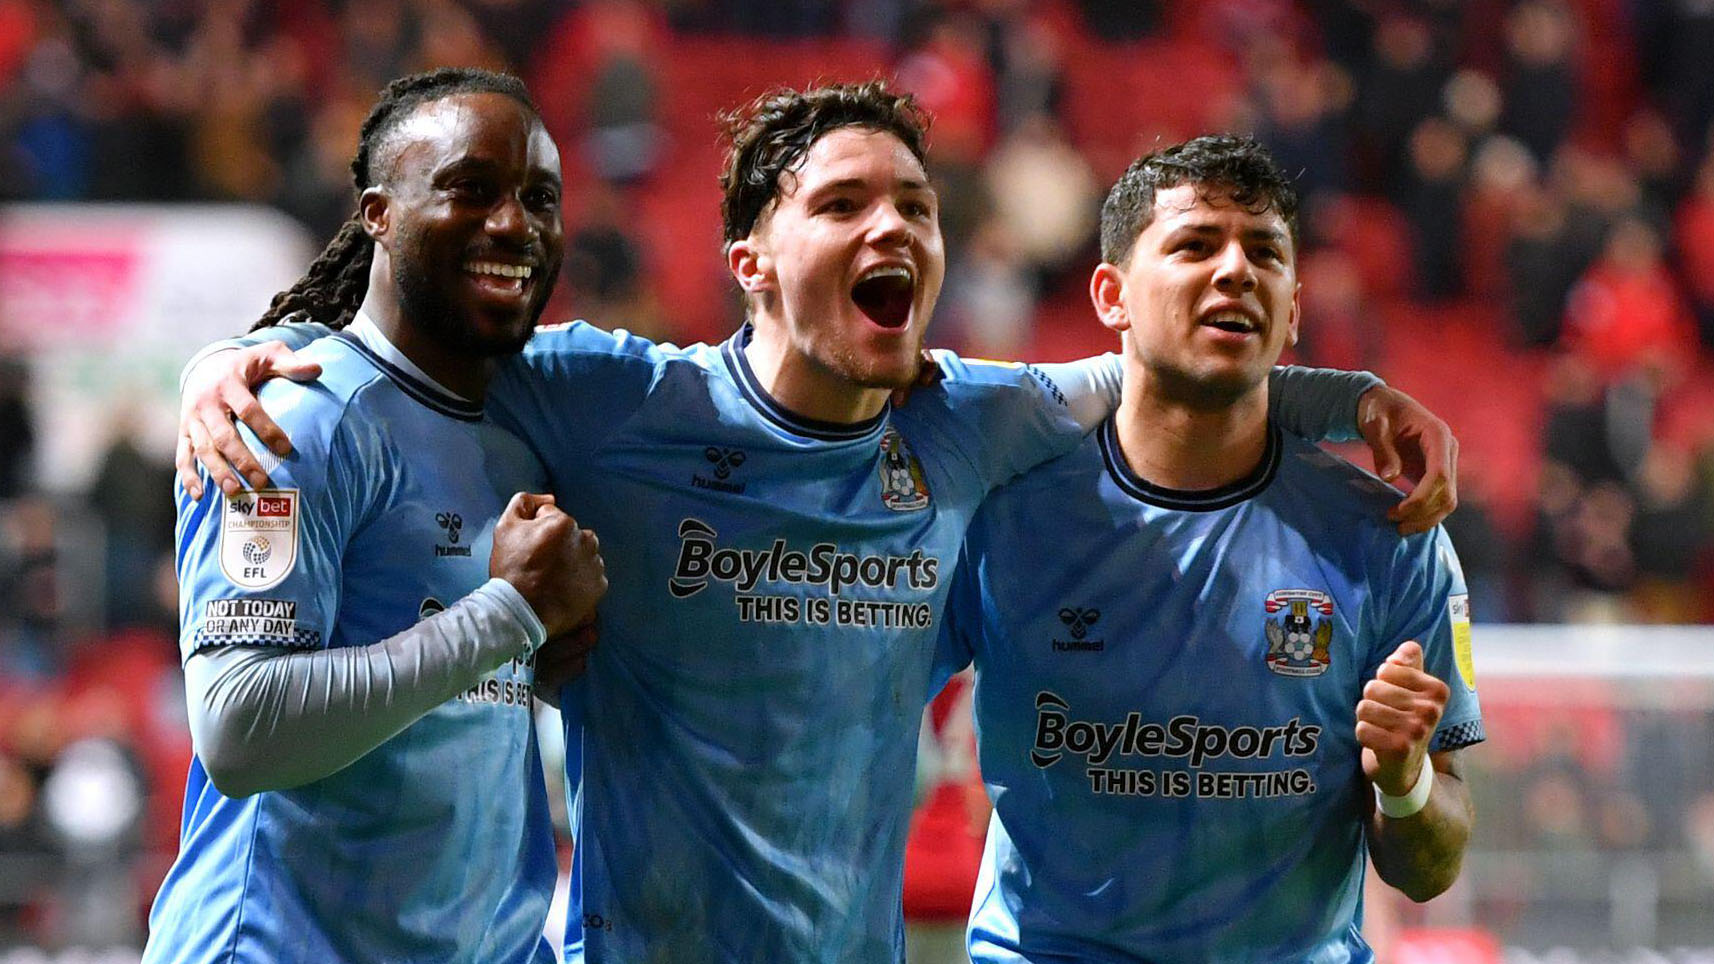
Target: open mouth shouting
{"x": 885, "y": 294}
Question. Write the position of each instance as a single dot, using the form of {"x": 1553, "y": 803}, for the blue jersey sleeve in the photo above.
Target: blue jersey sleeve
{"x": 573, "y": 387}
{"x": 1319, "y": 404}
{"x": 1009, "y": 417}
{"x": 1431, "y": 604}
{"x": 262, "y": 568}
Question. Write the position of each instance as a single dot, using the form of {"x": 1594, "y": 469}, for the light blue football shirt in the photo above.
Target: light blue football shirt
{"x": 750, "y": 715}
{"x": 437, "y": 845}
{"x": 1166, "y": 692}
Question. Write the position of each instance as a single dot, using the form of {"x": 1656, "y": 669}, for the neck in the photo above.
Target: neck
{"x": 803, "y": 385}
{"x": 452, "y": 369}
{"x": 1179, "y": 444}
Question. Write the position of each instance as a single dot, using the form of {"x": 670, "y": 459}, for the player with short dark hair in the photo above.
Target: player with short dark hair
{"x": 1200, "y": 691}
{"x": 780, "y": 536}
{"x": 769, "y": 137}
{"x": 360, "y": 634}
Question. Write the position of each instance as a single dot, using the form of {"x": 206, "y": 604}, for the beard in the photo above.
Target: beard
{"x": 1200, "y": 392}
{"x": 428, "y": 306}
{"x": 850, "y": 366}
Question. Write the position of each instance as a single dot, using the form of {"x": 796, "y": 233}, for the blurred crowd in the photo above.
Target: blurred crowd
{"x": 1509, "y": 211}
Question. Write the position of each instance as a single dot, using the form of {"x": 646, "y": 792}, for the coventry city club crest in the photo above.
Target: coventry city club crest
{"x": 903, "y": 487}
{"x": 1300, "y": 629}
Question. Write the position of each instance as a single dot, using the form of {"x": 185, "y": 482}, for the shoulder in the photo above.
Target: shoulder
{"x": 1337, "y": 488}
{"x": 977, "y": 376}
{"x": 580, "y": 350}
{"x": 582, "y": 340}
{"x": 314, "y": 413}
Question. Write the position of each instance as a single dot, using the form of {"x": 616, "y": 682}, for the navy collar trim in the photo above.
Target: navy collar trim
{"x": 427, "y": 395}
{"x": 773, "y": 411}
{"x": 1205, "y": 500}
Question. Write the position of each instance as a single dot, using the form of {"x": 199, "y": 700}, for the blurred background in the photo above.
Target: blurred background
{"x": 1509, "y": 213}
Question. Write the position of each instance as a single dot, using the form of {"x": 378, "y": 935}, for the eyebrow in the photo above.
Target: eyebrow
{"x": 846, "y": 183}
{"x": 1249, "y": 234}
{"x": 483, "y": 165}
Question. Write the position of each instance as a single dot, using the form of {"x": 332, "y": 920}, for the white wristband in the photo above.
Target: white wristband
{"x": 1412, "y": 802}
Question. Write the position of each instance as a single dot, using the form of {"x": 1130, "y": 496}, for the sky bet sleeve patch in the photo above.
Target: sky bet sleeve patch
{"x": 259, "y": 537}
{"x": 1460, "y": 609}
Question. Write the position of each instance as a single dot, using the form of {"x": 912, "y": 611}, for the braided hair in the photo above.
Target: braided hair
{"x": 333, "y": 287}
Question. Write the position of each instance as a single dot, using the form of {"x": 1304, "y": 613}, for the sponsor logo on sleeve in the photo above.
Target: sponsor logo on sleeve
{"x": 1459, "y": 607}
{"x": 259, "y": 537}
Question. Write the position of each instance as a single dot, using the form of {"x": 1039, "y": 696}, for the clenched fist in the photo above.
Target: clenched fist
{"x": 1396, "y": 718}
{"x": 552, "y": 563}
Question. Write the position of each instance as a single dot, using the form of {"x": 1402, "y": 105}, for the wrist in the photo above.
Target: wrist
{"x": 1413, "y": 800}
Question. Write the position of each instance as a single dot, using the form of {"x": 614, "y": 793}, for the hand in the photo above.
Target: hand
{"x": 552, "y": 563}
{"x": 1396, "y": 718}
{"x": 928, "y": 373}
{"x": 220, "y": 389}
{"x": 1408, "y": 439}
{"x": 563, "y": 659}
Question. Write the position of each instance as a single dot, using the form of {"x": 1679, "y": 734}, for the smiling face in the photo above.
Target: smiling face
{"x": 844, "y": 267}
{"x": 1207, "y": 297}
{"x": 467, "y": 218}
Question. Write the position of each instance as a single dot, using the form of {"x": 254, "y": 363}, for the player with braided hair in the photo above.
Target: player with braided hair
{"x": 333, "y": 287}
{"x": 360, "y": 636}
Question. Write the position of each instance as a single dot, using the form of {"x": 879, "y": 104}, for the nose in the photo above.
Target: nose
{"x": 508, "y": 219}
{"x": 889, "y": 227}
{"x": 1233, "y": 271}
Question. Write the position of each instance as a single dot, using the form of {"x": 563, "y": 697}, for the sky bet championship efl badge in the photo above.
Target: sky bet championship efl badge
{"x": 259, "y": 537}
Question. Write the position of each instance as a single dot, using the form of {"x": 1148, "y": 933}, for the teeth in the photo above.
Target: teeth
{"x": 496, "y": 268}
{"x": 887, "y": 271}
{"x": 1231, "y": 318}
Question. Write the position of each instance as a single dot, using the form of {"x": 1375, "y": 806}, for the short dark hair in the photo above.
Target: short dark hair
{"x": 770, "y": 136}
{"x": 333, "y": 288}
{"x": 1237, "y": 167}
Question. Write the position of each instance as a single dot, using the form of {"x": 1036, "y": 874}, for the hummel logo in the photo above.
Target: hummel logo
{"x": 725, "y": 460}
{"x": 452, "y": 522}
{"x": 1079, "y": 620}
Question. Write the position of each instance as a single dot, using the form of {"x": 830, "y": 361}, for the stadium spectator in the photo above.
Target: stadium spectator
{"x": 1539, "y": 86}
{"x": 1626, "y": 312}
{"x": 1433, "y": 196}
{"x": 1694, "y": 244}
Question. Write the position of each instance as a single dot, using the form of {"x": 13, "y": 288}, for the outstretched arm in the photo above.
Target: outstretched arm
{"x": 1408, "y": 441}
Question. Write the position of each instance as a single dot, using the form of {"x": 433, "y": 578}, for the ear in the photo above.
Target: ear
{"x": 374, "y": 210}
{"x": 1106, "y": 292}
{"x": 752, "y": 265}
{"x": 1296, "y": 315}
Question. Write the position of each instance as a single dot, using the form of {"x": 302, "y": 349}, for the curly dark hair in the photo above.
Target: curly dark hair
{"x": 770, "y": 136}
{"x": 333, "y": 287}
{"x": 1237, "y": 167}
